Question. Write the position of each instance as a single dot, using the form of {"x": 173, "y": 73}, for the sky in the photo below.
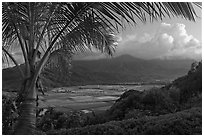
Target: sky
{"x": 174, "y": 38}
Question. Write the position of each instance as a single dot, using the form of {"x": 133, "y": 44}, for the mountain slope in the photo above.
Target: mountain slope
{"x": 120, "y": 69}
{"x": 126, "y": 69}
{"x": 183, "y": 93}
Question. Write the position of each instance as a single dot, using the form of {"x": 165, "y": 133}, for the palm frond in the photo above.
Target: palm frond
{"x": 7, "y": 56}
{"x": 111, "y": 15}
{"x": 83, "y": 25}
{"x": 88, "y": 33}
{"x": 59, "y": 64}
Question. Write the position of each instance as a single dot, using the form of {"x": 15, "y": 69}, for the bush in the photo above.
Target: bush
{"x": 128, "y": 101}
{"x": 195, "y": 101}
{"x": 57, "y": 120}
{"x": 158, "y": 101}
{"x": 94, "y": 119}
{"x": 9, "y": 114}
{"x": 137, "y": 113}
{"x": 54, "y": 120}
{"x": 174, "y": 93}
{"x": 190, "y": 85}
{"x": 153, "y": 102}
{"x": 101, "y": 129}
{"x": 180, "y": 123}
{"x": 184, "y": 122}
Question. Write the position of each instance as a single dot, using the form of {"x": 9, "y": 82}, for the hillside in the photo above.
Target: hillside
{"x": 187, "y": 122}
{"x": 156, "y": 111}
{"x": 184, "y": 92}
{"x": 120, "y": 69}
{"x": 125, "y": 69}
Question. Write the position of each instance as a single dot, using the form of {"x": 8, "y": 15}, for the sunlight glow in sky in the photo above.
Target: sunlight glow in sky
{"x": 174, "y": 38}
{"x": 168, "y": 41}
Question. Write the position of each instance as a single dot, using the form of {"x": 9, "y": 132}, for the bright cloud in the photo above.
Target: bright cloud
{"x": 170, "y": 41}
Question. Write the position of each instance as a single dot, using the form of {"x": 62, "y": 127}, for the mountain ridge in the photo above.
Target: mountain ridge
{"x": 120, "y": 69}
{"x": 128, "y": 68}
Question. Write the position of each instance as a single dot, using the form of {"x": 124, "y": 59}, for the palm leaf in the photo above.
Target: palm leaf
{"x": 66, "y": 23}
{"x": 7, "y": 56}
{"x": 107, "y": 13}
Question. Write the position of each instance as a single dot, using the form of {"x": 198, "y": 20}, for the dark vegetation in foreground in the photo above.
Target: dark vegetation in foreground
{"x": 173, "y": 109}
{"x": 183, "y": 122}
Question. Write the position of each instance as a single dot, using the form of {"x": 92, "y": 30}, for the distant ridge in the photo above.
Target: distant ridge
{"x": 127, "y": 68}
{"x": 126, "y": 57}
{"x": 121, "y": 69}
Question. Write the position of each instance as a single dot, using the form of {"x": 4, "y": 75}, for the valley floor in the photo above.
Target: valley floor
{"x": 86, "y": 98}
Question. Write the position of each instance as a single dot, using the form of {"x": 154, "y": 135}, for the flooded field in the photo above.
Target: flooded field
{"x": 86, "y": 98}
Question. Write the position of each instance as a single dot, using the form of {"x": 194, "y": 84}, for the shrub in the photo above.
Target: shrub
{"x": 178, "y": 124}
{"x": 54, "y": 120}
{"x": 184, "y": 122}
{"x": 134, "y": 104}
{"x": 94, "y": 119}
{"x": 57, "y": 120}
{"x": 128, "y": 101}
{"x": 9, "y": 114}
{"x": 101, "y": 129}
{"x": 190, "y": 84}
{"x": 137, "y": 113}
{"x": 158, "y": 101}
{"x": 195, "y": 101}
{"x": 174, "y": 94}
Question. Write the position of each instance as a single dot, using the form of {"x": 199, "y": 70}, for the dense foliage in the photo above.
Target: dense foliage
{"x": 191, "y": 84}
{"x": 9, "y": 114}
{"x": 174, "y": 97}
{"x": 184, "y": 122}
{"x": 153, "y": 102}
{"x": 55, "y": 120}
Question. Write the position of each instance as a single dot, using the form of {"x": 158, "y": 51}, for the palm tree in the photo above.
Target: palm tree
{"x": 48, "y": 27}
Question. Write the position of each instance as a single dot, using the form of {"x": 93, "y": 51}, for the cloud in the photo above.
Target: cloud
{"x": 170, "y": 41}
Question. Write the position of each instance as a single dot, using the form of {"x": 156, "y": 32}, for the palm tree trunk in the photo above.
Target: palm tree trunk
{"x": 26, "y": 123}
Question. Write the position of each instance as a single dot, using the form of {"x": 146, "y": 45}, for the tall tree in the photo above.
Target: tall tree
{"x": 48, "y": 27}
